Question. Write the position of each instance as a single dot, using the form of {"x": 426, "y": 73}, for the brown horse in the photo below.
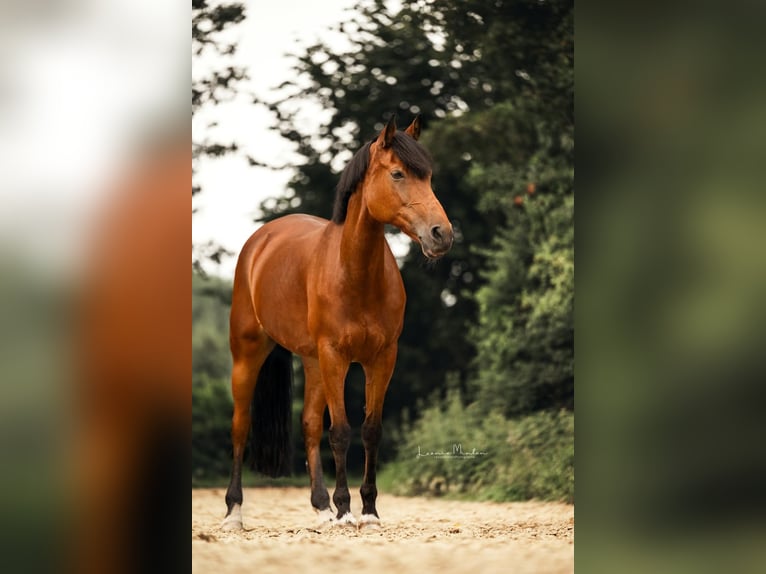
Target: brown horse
{"x": 331, "y": 292}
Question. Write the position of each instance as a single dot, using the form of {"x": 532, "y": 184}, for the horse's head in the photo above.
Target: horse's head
{"x": 398, "y": 189}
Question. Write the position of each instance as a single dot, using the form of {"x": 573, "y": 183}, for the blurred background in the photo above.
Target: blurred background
{"x": 671, "y": 273}
{"x": 486, "y": 358}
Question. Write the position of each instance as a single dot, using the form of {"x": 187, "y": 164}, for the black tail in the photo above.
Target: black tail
{"x": 271, "y": 410}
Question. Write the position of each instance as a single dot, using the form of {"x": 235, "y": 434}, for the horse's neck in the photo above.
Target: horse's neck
{"x": 362, "y": 244}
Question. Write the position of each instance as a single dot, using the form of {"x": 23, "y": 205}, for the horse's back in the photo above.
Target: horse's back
{"x": 296, "y": 232}
{"x": 295, "y": 224}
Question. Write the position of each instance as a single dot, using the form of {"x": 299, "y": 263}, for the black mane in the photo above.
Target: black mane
{"x": 413, "y": 155}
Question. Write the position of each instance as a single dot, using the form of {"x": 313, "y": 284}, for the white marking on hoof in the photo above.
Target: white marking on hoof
{"x": 347, "y": 520}
{"x": 369, "y": 522}
{"x": 325, "y": 517}
{"x": 234, "y": 520}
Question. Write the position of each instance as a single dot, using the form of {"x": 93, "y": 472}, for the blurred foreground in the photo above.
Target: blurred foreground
{"x": 94, "y": 292}
{"x": 670, "y": 288}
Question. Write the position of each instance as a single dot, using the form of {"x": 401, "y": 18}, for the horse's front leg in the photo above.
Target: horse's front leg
{"x": 334, "y": 368}
{"x": 377, "y": 375}
{"x": 314, "y": 405}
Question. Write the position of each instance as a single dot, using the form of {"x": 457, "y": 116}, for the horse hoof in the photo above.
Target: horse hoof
{"x": 369, "y": 522}
{"x": 233, "y": 520}
{"x": 346, "y": 520}
{"x": 325, "y": 518}
{"x": 231, "y": 525}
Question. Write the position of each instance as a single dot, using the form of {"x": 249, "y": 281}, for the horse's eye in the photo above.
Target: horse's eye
{"x": 397, "y": 175}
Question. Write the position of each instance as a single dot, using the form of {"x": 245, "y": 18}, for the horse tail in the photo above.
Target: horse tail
{"x": 271, "y": 411}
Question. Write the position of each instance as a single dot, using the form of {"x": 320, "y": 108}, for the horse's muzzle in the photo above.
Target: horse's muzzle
{"x": 438, "y": 241}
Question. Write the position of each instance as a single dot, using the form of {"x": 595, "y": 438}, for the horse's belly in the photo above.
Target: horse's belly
{"x": 281, "y": 309}
{"x": 278, "y": 279}
{"x": 287, "y": 328}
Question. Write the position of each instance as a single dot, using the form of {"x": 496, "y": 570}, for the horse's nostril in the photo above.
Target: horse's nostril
{"x": 436, "y": 232}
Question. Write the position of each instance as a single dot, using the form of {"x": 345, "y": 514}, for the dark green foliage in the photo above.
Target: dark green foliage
{"x": 525, "y": 333}
{"x": 209, "y": 20}
{"x": 211, "y": 428}
{"x": 210, "y": 327}
{"x": 211, "y": 368}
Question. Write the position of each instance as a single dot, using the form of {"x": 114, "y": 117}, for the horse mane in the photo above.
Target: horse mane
{"x": 413, "y": 155}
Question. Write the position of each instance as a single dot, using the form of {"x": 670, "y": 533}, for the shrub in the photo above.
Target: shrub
{"x": 456, "y": 451}
{"x": 211, "y": 427}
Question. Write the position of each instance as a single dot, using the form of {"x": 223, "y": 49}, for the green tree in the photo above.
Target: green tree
{"x": 211, "y": 86}
{"x": 209, "y": 21}
{"x": 525, "y": 330}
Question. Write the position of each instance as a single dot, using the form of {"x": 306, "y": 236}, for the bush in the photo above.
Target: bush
{"x": 211, "y": 428}
{"x": 456, "y": 451}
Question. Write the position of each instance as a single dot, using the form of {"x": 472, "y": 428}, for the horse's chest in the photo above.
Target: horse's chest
{"x": 363, "y": 338}
{"x": 366, "y": 332}
{"x": 360, "y": 332}
{"x": 356, "y": 323}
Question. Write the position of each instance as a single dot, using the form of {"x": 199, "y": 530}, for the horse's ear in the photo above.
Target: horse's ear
{"x": 387, "y": 135}
{"x": 414, "y": 128}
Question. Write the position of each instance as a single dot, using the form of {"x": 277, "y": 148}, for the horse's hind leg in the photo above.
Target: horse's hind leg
{"x": 249, "y": 348}
{"x": 314, "y": 405}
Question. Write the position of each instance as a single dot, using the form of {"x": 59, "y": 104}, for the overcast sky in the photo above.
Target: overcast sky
{"x": 232, "y": 190}
{"x": 83, "y": 85}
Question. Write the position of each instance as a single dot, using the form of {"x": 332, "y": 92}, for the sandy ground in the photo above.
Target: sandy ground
{"x": 417, "y": 535}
